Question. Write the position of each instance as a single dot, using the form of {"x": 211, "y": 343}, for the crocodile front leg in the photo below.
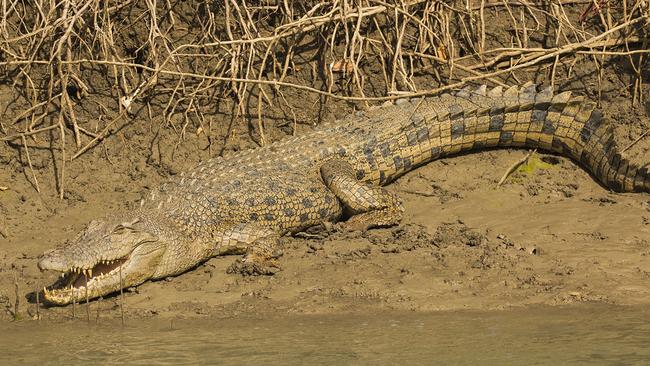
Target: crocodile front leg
{"x": 371, "y": 206}
{"x": 259, "y": 244}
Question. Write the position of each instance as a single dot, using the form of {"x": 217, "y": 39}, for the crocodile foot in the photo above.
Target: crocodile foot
{"x": 255, "y": 265}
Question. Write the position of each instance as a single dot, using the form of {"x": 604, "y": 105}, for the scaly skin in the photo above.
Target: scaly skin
{"x": 245, "y": 202}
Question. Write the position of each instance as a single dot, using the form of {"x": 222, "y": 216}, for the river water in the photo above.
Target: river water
{"x": 577, "y": 335}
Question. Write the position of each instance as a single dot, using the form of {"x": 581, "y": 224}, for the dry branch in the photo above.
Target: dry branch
{"x": 183, "y": 59}
{"x": 514, "y": 167}
{"x": 636, "y": 141}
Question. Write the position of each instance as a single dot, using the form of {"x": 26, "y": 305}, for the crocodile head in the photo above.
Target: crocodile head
{"x": 106, "y": 256}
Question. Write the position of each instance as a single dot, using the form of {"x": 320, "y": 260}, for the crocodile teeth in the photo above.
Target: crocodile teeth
{"x": 90, "y": 273}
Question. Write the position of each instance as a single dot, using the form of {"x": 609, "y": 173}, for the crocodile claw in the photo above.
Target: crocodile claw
{"x": 258, "y": 267}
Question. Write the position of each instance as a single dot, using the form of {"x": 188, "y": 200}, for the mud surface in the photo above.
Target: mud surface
{"x": 549, "y": 235}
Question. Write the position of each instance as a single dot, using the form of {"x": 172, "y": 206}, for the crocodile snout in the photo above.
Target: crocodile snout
{"x": 51, "y": 261}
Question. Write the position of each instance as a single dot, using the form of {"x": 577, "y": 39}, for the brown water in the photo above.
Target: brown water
{"x": 585, "y": 335}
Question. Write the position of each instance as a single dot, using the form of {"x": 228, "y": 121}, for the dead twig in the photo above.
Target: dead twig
{"x": 16, "y": 313}
{"x": 121, "y": 296}
{"x": 31, "y": 167}
{"x": 636, "y": 141}
{"x": 419, "y": 193}
{"x": 38, "y": 304}
{"x": 74, "y": 303}
{"x": 514, "y": 167}
{"x": 99, "y": 136}
{"x": 87, "y": 299}
{"x": 24, "y": 134}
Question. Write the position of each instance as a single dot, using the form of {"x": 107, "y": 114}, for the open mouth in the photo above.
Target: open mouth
{"x": 78, "y": 282}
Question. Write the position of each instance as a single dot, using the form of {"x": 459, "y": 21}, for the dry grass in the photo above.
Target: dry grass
{"x": 181, "y": 58}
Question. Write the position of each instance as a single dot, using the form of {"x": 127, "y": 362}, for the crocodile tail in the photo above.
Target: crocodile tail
{"x": 583, "y": 133}
{"x": 561, "y": 123}
{"x": 596, "y": 150}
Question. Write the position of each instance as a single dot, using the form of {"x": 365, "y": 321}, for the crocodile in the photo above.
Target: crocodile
{"x": 245, "y": 203}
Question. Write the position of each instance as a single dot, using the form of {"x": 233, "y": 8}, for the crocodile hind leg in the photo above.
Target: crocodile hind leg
{"x": 371, "y": 206}
{"x": 259, "y": 244}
